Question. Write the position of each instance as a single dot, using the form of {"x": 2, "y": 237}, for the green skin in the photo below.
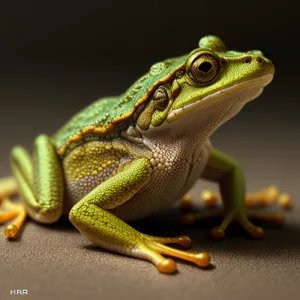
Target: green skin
{"x": 124, "y": 158}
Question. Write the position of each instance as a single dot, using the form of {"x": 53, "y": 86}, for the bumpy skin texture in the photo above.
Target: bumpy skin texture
{"x": 111, "y": 193}
{"x": 123, "y": 158}
{"x": 104, "y": 116}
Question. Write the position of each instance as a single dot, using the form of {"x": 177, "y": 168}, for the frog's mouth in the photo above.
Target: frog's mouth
{"x": 246, "y": 91}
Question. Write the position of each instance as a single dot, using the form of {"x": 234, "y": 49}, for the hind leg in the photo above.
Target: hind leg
{"x": 40, "y": 185}
{"x": 106, "y": 230}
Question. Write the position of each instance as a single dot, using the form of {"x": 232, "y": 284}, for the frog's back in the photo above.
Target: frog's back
{"x": 103, "y": 117}
{"x": 93, "y": 116}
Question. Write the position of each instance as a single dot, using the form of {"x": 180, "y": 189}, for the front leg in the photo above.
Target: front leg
{"x": 92, "y": 218}
{"x": 227, "y": 172}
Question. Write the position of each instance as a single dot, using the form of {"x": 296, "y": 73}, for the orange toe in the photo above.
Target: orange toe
{"x": 202, "y": 259}
{"x": 257, "y": 232}
{"x": 167, "y": 266}
{"x": 11, "y": 231}
{"x": 185, "y": 241}
{"x": 217, "y": 233}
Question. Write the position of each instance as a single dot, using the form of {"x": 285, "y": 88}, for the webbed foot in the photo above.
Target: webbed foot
{"x": 240, "y": 216}
{"x": 261, "y": 198}
{"x": 156, "y": 247}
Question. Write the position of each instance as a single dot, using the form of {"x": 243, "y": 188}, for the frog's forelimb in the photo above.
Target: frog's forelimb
{"x": 227, "y": 172}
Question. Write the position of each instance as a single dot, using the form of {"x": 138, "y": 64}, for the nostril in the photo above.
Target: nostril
{"x": 247, "y": 60}
{"x": 259, "y": 59}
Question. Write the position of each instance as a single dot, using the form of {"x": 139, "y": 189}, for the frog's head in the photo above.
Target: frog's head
{"x": 205, "y": 88}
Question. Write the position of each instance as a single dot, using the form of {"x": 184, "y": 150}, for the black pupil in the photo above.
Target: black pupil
{"x": 205, "y": 66}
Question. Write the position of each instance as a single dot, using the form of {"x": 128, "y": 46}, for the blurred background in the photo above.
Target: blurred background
{"x": 56, "y": 57}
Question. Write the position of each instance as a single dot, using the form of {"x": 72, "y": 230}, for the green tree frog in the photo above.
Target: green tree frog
{"x": 124, "y": 158}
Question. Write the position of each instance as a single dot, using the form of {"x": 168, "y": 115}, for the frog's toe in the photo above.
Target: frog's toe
{"x": 157, "y": 248}
{"x": 275, "y": 217}
{"x": 8, "y": 215}
{"x": 217, "y": 233}
{"x": 167, "y": 266}
{"x": 183, "y": 241}
{"x": 241, "y": 217}
{"x": 267, "y": 196}
{"x": 201, "y": 259}
{"x": 285, "y": 200}
{"x": 11, "y": 231}
{"x": 12, "y": 211}
{"x": 209, "y": 198}
{"x": 263, "y": 197}
{"x": 186, "y": 202}
{"x": 255, "y": 231}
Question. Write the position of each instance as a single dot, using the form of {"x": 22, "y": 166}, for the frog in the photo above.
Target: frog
{"x": 124, "y": 158}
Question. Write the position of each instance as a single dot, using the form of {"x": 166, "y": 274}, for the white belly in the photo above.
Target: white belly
{"x": 164, "y": 188}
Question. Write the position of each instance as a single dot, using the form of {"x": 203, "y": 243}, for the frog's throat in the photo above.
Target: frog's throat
{"x": 240, "y": 89}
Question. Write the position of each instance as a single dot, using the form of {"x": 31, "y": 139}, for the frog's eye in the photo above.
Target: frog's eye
{"x": 204, "y": 68}
{"x": 160, "y": 99}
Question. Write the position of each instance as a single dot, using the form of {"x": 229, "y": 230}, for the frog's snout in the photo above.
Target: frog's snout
{"x": 258, "y": 58}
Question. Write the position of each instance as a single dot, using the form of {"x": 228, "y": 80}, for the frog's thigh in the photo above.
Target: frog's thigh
{"x": 104, "y": 229}
{"x": 39, "y": 180}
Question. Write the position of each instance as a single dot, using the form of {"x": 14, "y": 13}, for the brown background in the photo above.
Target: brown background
{"x": 56, "y": 57}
